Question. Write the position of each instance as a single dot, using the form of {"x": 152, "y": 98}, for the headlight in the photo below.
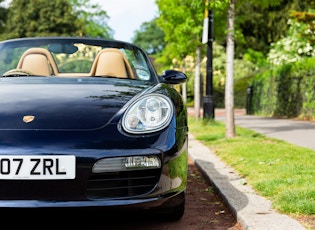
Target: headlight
{"x": 148, "y": 114}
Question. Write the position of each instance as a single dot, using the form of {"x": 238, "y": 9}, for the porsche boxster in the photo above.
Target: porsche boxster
{"x": 88, "y": 123}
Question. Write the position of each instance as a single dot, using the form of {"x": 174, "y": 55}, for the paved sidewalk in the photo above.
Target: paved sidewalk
{"x": 252, "y": 211}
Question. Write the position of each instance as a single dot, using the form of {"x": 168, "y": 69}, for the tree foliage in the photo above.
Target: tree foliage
{"x": 299, "y": 41}
{"x": 3, "y": 14}
{"x": 150, "y": 37}
{"x": 24, "y": 18}
{"x": 308, "y": 19}
{"x": 181, "y": 21}
{"x": 94, "y": 19}
{"x": 259, "y": 23}
{"x": 42, "y": 18}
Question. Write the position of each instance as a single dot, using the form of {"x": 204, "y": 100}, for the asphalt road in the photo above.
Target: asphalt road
{"x": 297, "y": 132}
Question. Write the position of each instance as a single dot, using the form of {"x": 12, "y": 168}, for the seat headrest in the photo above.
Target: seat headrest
{"x": 38, "y": 61}
{"x": 111, "y": 62}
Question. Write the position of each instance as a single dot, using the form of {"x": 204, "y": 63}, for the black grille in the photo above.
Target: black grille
{"x": 122, "y": 184}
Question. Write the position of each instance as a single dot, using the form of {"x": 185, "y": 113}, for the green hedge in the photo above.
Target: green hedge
{"x": 285, "y": 91}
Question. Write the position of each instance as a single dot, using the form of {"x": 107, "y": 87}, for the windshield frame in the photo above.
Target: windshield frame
{"x": 101, "y": 43}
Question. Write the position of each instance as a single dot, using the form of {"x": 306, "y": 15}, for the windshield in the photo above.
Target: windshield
{"x": 73, "y": 57}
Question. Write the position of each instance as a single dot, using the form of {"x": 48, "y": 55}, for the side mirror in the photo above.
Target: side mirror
{"x": 173, "y": 77}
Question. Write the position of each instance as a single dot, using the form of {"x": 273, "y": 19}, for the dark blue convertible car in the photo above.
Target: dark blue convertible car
{"x": 88, "y": 123}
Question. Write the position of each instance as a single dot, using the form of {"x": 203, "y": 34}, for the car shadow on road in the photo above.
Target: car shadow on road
{"x": 80, "y": 219}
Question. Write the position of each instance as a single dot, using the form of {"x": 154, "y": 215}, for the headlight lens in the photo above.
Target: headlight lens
{"x": 148, "y": 114}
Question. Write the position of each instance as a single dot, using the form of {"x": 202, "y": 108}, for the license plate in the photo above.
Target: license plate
{"x": 34, "y": 167}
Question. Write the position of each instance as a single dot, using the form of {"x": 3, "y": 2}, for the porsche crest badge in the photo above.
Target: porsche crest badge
{"x": 28, "y": 118}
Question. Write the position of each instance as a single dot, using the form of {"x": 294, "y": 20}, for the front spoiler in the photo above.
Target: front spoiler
{"x": 169, "y": 200}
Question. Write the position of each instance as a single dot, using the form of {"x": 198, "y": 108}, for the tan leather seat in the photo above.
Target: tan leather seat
{"x": 38, "y": 61}
{"x": 111, "y": 62}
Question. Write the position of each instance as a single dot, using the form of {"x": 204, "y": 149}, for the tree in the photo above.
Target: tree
{"x": 179, "y": 34}
{"x": 42, "y": 18}
{"x": 60, "y": 17}
{"x": 229, "y": 86}
{"x": 300, "y": 38}
{"x": 94, "y": 19}
{"x": 3, "y": 13}
{"x": 230, "y": 43}
{"x": 150, "y": 37}
{"x": 257, "y": 26}
{"x": 181, "y": 21}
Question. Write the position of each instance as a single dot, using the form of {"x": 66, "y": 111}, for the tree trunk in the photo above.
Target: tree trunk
{"x": 197, "y": 85}
{"x": 184, "y": 86}
{"x": 229, "y": 86}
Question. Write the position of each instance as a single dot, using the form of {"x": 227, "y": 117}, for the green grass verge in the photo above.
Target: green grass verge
{"x": 281, "y": 172}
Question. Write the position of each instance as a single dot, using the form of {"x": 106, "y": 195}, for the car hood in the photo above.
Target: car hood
{"x": 44, "y": 106}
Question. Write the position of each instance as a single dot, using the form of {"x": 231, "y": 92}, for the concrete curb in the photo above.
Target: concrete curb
{"x": 252, "y": 211}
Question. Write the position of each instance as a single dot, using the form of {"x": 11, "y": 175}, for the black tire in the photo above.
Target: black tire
{"x": 174, "y": 213}
{"x": 177, "y": 212}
